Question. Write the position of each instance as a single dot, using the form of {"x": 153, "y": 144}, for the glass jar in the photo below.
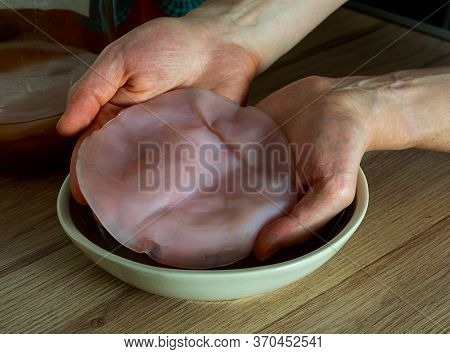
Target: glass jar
{"x": 45, "y": 46}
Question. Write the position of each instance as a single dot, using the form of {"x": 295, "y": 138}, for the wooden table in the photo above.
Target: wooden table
{"x": 393, "y": 276}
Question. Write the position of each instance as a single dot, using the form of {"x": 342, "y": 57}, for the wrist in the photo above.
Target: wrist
{"x": 424, "y": 96}
{"x": 217, "y": 21}
{"x": 382, "y": 106}
{"x": 265, "y": 29}
{"x": 220, "y": 20}
{"x": 417, "y": 110}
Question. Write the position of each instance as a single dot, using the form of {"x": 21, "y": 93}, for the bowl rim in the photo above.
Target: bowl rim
{"x": 65, "y": 219}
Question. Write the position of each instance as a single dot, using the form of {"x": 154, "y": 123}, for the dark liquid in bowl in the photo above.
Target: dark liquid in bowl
{"x": 86, "y": 224}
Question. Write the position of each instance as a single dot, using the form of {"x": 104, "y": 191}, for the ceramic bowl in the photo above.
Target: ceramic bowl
{"x": 245, "y": 278}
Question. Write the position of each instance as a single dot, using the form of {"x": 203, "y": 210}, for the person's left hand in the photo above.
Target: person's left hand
{"x": 331, "y": 123}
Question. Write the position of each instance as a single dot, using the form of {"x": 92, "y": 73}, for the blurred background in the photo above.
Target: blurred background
{"x": 431, "y": 16}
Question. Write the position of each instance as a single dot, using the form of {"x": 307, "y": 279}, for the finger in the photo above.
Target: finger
{"x": 310, "y": 214}
{"x": 74, "y": 186}
{"x": 107, "y": 113}
{"x": 94, "y": 89}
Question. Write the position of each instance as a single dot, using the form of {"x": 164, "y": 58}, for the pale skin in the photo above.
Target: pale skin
{"x": 343, "y": 119}
{"x": 222, "y": 46}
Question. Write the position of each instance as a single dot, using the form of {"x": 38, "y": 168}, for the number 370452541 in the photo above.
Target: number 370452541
{"x": 288, "y": 341}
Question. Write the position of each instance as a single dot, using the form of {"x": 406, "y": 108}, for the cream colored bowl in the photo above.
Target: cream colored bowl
{"x": 213, "y": 284}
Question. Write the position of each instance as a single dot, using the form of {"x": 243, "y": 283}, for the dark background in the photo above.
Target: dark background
{"x": 409, "y": 13}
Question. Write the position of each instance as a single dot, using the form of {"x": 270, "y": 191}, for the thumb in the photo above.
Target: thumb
{"x": 310, "y": 214}
{"x": 107, "y": 113}
{"x": 74, "y": 186}
{"x": 93, "y": 90}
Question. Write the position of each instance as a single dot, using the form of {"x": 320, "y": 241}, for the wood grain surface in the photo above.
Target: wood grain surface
{"x": 392, "y": 276}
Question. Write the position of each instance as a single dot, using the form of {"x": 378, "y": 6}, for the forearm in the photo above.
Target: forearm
{"x": 267, "y": 28}
{"x": 415, "y": 110}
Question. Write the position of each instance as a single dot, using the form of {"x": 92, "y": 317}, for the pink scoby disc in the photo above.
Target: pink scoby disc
{"x": 189, "y": 178}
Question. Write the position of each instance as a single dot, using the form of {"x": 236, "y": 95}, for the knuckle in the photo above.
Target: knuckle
{"x": 111, "y": 51}
{"x": 318, "y": 83}
{"x": 342, "y": 189}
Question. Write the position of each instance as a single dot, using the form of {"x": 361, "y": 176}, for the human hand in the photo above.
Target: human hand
{"x": 331, "y": 123}
{"x": 156, "y": 57}
{"x": 219, "y": 46}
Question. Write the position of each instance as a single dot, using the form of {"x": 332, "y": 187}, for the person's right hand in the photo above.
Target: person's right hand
{"x": 159, "y": 56}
